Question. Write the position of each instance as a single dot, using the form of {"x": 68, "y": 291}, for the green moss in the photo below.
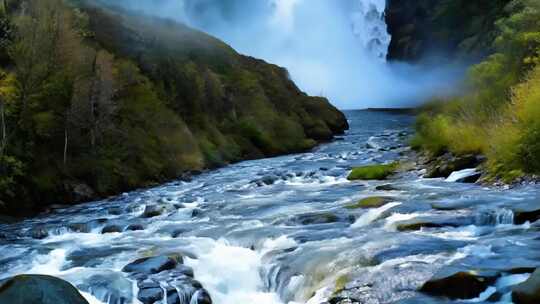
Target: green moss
{"x": 373, "y": 172}
{"x": 370, "y": 202}
{"x": 341, "y": 282}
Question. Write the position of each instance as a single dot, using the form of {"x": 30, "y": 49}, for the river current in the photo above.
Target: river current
{"x": 277, "y": 231}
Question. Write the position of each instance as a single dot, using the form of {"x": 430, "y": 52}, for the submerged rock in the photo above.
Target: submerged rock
{"x": 458, "y": 284}
{"x": 134, "y": 227}
{"x": 38, "y": 289}
{"x": 528, "y": 292}
{"x": 38, "y": 233}
{"x": 155, "y": 210}
{"x": 314, "y": 218}
{"x": 371, "y": 202}
{"x": 386, "y": 187}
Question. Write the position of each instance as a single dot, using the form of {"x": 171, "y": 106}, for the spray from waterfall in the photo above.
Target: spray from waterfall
{"x": 336, "y": 49}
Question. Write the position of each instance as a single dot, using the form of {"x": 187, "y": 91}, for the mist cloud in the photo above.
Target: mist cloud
{"x": 331, "y": 48}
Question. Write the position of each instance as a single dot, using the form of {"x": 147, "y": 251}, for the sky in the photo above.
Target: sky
{"x": 335, "y": 49}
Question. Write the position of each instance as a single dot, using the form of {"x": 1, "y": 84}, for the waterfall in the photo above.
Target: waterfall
{"x": 369, "y": 26}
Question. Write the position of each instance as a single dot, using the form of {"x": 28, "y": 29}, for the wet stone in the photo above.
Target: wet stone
{"x": 79, "y": 227}
{"x": 528, "y": 292}
{"x": 150, "y": 295}
{"x": 134, "y": 227}
{"x": 459, "y": 284}
{"x": 111, "y": 229}
{"x": 151, "y": 265}
{"x": 38, "y": 233}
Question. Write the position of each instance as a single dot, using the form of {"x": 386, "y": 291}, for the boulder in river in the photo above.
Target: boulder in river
{"x": 38, "y": 289}
{"x": 527, "y": 212}
{"x": 155, "y": 210}
{"x": 111, "y": 229}
{"x": 38, "y": 233}
{"x": 151, "y": 265}
{"x": 448, "y": 163}
{"x": 386, "y": 187}
{"x": 528, "y": 292}
{"x": 458, "y": 283}
{"x": 314, "y": 218}
{"x": 370, "y": 202}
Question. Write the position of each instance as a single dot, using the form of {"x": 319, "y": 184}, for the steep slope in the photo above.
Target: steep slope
{"x": 459, "y": 29}
{"x": 113, "y": 101}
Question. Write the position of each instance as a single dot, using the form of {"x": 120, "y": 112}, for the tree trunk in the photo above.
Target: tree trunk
{"x": 65, "y": 145}
{"x": 3, "y": 141}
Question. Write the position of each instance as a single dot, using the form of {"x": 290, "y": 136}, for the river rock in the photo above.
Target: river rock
{"x": 38, "y": 233}
{"x": 527, "y": 212}
{"x": 314, "y": 218}
{"x": 79, "y": 227}
{"x": 151, "y": 265}
{"x": 111, "y": 229}
{"x": 38, "y": 289}
{"x": 458, "y": 283}
{"x": 448, "y": 163}
{"x": 386, "y": 187}
{"x": 150, "y": 295}
{"x": 134, "y": 227}
{"x": 202, "y": 297}
{"x": 155, "y": 210}
{"x": 528, "y": 292}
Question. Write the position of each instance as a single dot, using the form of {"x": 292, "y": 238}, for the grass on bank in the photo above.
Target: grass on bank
{"x": 499, "y": 115}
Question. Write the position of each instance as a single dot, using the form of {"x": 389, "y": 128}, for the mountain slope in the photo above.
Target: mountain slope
{"x": 115, "y": 100}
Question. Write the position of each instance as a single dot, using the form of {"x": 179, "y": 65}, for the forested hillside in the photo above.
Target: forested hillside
{"x": 95, "y": 101}
{"x": 498, "y": 114}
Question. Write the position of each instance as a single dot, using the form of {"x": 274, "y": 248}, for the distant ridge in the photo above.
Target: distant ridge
{"x": 392, "y": 110}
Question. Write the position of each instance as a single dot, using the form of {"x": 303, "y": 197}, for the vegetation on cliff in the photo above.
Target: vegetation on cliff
{"x": 498, "y": 114}
{"x": 456, "y": 29}
{"x": 96, "y": 100}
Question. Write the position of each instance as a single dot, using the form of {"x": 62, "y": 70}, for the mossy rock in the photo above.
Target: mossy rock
{"x": 373, "y": 172}
{"x": 341, "y": 283}
{"x": 39, "y": 289}
{"x": 370, "y": 202}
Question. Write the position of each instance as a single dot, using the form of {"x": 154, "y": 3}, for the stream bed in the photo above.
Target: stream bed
{"x": 278, "y": 231}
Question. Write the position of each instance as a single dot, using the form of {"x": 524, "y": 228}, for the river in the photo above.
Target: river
{"x": 276, "y": 230}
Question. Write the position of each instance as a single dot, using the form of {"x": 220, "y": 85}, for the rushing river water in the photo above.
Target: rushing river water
{"x": 277, "y": 231}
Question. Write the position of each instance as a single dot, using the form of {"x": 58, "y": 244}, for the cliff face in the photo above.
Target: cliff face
{"x": 142, "y": 100}
{"x": 455, "y": 29}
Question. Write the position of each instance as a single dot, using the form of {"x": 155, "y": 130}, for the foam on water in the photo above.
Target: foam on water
{"x": 231, "y": 274}
{"x": 458, "y": 175}
{"x": 372, "y": 215}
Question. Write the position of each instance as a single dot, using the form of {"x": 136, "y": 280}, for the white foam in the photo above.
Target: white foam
{"x": 231, "y": 274}
{"x": 457, "y": 175}
{"x": 394, "y": 219}
{"x": 279, "y": 243}
{"x": 372, "y": 215}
